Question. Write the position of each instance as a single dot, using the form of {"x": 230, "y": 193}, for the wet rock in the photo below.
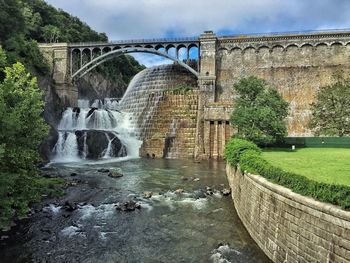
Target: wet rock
{"x": 114, "y": 174}
{"x": 102, "y": 170}
{"x": 70, "y": 207}
{"x": 179, "y": 191}
{"x": 97, "y": 143}
{"x": 226, "y": 191}
{"x": 147, "y": 194}
{"x": 209, "y": 192}
{"x": 196, "y": 179}
{"x": 46, "y": 230}
{"x": 74, "y": 182}
{"x": 128, "y": 206}
{"x": 91, "y": 111}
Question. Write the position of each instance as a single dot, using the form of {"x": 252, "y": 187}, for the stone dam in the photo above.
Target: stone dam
{"x": 296, "y": 64}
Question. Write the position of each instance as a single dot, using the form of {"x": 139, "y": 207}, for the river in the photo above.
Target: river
{"x": 196, "y": 224}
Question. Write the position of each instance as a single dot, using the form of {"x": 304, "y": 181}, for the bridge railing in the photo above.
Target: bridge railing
{"x": 311, "y": 32}
{"x": 138, "y": 41}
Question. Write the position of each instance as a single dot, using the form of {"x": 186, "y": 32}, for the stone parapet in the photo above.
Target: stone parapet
{"x": 287, "y": 226}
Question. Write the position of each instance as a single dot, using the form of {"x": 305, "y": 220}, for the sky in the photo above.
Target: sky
{"x": 137, "y": 19}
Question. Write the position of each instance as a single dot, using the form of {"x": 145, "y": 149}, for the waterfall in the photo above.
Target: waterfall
{"x": 111, "y": 128}
{"x": 145, "y": 92}
{"x": 94, "y": 131}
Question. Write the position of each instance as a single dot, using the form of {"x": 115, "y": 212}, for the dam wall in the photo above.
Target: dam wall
{"x": 296, "y": 65}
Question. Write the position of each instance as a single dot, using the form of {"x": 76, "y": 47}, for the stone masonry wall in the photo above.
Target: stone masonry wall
{"x": 172, "y": 131}
{"x": 296, "y": 65}
{"x": 289, "y": 227}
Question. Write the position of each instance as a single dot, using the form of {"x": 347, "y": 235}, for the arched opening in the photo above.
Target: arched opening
{"x": 171, "y": 51}
{"x": 86, "y": 56}
{"x": 96, "y": 52}
{"x": 193, "y": 56}
{"x": 182, "y": 52}
{"x": 106, "y": 50}
{"x": 75, "y": 60}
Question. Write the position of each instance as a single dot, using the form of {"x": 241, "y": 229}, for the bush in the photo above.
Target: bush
{"x": 235, "y": 147}
{"x": 251, "y": 161}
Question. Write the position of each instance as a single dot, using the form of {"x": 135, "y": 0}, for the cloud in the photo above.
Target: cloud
{"x": 129, "y": 19}
{"x": 136, "y": 19}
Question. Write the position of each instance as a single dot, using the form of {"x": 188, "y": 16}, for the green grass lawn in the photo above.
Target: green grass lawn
{"x": 328, "y": 165}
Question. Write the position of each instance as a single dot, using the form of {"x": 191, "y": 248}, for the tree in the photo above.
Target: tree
{"x": 259, "y": 112}
{"x": 51, "y": 33}
{"x": 22, "y": 127}
{"x": 330, "y": 111}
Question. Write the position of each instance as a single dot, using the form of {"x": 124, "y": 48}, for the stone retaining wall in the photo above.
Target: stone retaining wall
{"x": 287, "y": 226}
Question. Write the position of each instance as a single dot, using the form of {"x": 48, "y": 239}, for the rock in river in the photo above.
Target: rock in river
{"x": 128, "y": 206}
{"x": 114, "y": 174}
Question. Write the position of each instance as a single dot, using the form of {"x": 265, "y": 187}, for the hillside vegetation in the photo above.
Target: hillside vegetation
{"x": 24, "y": 23}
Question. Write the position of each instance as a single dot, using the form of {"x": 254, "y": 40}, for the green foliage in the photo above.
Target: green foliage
{"x": 11, "y": 19}
{"x": 259, "y": 112}
{"x": 331, "y": 111}
{"x": 251, "y": 161}
{"x": 122, "y": 68}
{"x": 23, "y": 23}
{"x": 51, "y": 33}
{"x": 22, "y": 129}
{"x": 235, "y": 147}
{"x": 18, "y": 191}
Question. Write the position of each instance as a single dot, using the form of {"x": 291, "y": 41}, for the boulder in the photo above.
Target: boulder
{"x": 128, "y": 206}
{"x": 115, "y": 174}
{"x": 97, "y": 144}
{"x": 226, "y": 191}
{"x": 69, "y": 206}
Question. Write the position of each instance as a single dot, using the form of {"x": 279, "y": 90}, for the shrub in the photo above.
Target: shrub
{"x": 235, "y": 147}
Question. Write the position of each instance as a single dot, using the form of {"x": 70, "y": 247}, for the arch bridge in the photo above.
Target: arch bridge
{"x": 86, "y": 56}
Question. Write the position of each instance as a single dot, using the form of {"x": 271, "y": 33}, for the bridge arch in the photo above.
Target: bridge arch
{"x": 118, "y": 52}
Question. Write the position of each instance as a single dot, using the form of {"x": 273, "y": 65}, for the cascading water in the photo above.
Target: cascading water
{"x": 94, "y": 131}
{"x": 112, "y": 128}
{"x": 146, "y": 90}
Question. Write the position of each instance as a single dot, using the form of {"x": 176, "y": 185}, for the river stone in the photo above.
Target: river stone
{"x": 102, "y": 170}
{"x": 147, "y": 194}
{"x": 69, "y": 206}
{"x": 128, "y": 206}
{"x": 226, "y": 191}
{"x": 115, "y": 174}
